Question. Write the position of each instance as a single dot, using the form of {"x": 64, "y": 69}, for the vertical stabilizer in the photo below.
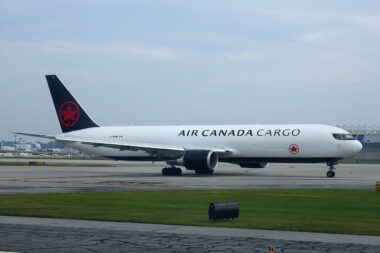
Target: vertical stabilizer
{"x": 71, "y": 115}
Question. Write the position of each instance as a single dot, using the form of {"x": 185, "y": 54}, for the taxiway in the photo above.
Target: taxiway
{"x": 132, "y": 176}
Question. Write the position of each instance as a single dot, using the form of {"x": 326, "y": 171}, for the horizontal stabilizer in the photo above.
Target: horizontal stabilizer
{"x": 36, "y": 135}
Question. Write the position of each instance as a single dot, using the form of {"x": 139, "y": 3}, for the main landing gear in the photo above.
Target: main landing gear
{"x": 331, "y": 172}
{"x": 204, "y": 172}
{"x": 171, "y": 171}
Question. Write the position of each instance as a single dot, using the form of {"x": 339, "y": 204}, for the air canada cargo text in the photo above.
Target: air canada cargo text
{"x": 239, "y": 132}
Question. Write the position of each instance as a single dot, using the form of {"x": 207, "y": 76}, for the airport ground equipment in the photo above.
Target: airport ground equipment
{"x": 223, "y": 210}
{"x": 378, "y": 186}
{"x": 37, "y": 163}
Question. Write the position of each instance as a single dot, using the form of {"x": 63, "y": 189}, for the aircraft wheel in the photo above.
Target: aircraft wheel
{"x": 178, "y": 172}
{"x": 171, "y": 171}
{"x": 165, "y": 171}
{"x": 204, "y": 172}
{"x": 330, "y": 173}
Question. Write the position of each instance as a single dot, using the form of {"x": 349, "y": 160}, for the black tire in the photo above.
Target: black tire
{"x": 204, "y": 172}
{"x": 171, "y": 171}
{"x": 330, "y": 173}
{"x": 178, "y": 171}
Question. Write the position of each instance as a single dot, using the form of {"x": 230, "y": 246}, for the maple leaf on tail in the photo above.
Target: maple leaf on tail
{"x": 69, "y": 114}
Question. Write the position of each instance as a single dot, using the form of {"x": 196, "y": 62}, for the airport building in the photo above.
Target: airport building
{"x": 369, "y": 136}
{"x": 22, "y": 147}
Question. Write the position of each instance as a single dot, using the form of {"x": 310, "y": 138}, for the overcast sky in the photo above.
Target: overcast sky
{"x": 191, "y": 62}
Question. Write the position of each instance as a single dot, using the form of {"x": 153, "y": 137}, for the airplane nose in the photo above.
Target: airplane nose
{"x": 357, "y": 147}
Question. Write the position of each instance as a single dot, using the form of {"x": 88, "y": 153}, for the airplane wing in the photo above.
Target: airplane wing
{"x": 154, "y": 149}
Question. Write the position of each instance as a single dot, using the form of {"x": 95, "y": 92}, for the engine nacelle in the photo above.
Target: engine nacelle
{"x": 200, "y": 160}
{"x": 253, "y": 165}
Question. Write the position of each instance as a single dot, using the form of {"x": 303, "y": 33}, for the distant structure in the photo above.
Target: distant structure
{"x": 361, "y": 129}
{"x": 369, "y": 136}
{"x": 22, "y": 147}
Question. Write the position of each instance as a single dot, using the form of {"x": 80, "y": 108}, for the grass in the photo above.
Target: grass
{"x": 331, "y": 211}
{"x": 56, "y": 164}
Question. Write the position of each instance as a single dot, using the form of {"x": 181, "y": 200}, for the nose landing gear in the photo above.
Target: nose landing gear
{"x": 331, "y": 172}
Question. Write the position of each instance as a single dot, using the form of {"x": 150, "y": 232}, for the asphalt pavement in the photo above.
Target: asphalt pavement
{"x": 131, "y": 176}
{"x": 23, "y": 234}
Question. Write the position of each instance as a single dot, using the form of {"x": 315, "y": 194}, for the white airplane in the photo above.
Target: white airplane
{"x": 201, "y": 147}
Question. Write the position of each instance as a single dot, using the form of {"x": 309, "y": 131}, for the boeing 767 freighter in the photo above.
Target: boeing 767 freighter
{"x": 201, "y": 147}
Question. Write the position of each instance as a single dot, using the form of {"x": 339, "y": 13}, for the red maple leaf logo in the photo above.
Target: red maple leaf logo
{"x": 294, "y": 149}
{"x": 69, "y": 114}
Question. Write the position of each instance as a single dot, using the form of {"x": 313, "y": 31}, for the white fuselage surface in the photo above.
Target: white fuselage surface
{"x": 244, "y": 143}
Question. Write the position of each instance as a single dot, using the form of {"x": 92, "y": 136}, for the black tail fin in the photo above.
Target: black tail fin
{"x": 70, "y": 114}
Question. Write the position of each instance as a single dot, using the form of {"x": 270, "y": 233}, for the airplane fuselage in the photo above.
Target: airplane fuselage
{"x": 247, "y": 143}
{"x": 201, "y": 147}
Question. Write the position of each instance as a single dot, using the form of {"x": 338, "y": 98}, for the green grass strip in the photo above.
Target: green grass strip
{"x": 331, "y": 211}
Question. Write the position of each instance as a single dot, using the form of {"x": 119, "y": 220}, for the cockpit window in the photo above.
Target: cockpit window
{"x": 344, "y": 137}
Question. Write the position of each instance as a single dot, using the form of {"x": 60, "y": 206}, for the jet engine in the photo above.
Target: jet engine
{"x": 202, "y": 161}
{"x": 253, "y": 165}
